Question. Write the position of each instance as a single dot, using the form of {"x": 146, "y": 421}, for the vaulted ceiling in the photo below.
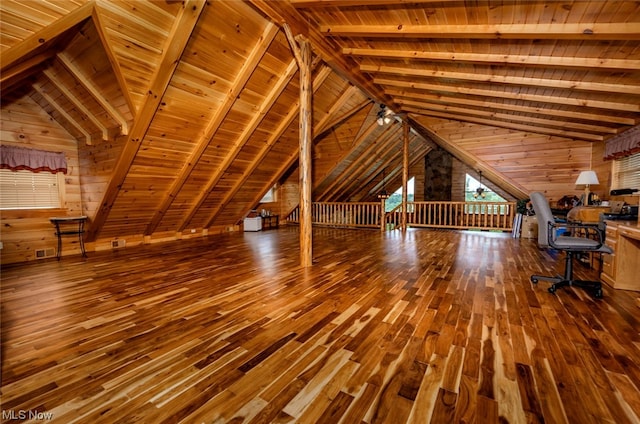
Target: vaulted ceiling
{"x": 186, "y": 112}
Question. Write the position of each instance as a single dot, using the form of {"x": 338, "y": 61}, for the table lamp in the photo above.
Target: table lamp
{"x": 587, "y": 178}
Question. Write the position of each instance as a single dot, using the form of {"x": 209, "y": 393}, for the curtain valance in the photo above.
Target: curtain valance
{"x": 19, "y": 158}
{"x": 623, "y": 145}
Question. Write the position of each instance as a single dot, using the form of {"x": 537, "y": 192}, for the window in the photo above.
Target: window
{"x": 270, "y": 196}
{"x": 626, "y": 172}
{"x": 29, "y": 190}
{"x": 471, "y": 189}
{"x": 396, "y": 198}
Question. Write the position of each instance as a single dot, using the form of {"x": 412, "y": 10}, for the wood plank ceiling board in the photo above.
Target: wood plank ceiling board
{"x": 126, "y": 218}
{"x": 136, "y": 32}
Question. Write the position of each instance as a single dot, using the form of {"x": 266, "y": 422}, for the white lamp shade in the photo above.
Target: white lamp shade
{"x": 587, "y": 178}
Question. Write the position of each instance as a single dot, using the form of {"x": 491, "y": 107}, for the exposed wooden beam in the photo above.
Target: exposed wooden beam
{"x": 504, "y": 59}
{"x": 62, "y": 112}
{"x": 95, "y": 92}
{"x": 558, "y": 31}
{"x": 355, "y": 145}
{"x": 323, "y": 123}
{"x": 293, "y": 112}
{"x": 401, "y": 95}
{"x": 329, "y": 51}
{"x": 492, "y": 78}
{"x": 179, "y": 35}
{"x": 371, "y": 154}
{"x": 45, "y": 35}
{"x": 351, "y": 3}
{"x": 416, "y": 155}
{"x": 489, "y": 113}
{"x": 310, "y": 4}
{"x": 337, "y": 121}
{"x": 212, "y": 127}
{"x": 260, "y": 114}
{"x": 78, "y": 104}
{"x": 503, "y": 124}
{"x": 113, "y": 60}
{"x": 25, "y": 68}
{"x": 624, "y": 107}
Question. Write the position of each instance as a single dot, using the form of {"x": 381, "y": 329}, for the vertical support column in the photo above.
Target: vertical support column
{"x": 383, "y": 200}
{"x": 302, "y": 51}
{"x": 405, "y": 171}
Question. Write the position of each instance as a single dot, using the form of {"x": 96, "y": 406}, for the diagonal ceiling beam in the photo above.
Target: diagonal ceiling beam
{"x": 416, "y": 155}
{"x": 355, "y": 145}
{"x": 106, "y": 104}
{"x": 44, "y": 36}
{"x": 322, "y": 75}
{"x": 283, "y": 12}
{"x": 558, "y": 31}
{"x": 336, "y": 122}
{"x": 115, "y": 65}
{"x": 77, "y": 103}
{"x": 480, "y": 76}
{"x": 624, "y": 107}
{"x": 371, "y": 154}
{"x": 205, "y": 138}
{"x": 62, "y": 112}
{"x": 504, "y": 59}
{"x": 177, "y": 41}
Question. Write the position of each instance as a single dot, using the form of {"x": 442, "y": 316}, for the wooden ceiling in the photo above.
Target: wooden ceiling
{"x": 186, "y": 112}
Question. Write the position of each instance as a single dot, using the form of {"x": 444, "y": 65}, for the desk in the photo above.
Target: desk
{"x": 621, "y": 269}
{"x": 586, "y": 214}
{"x": 69, "y": 226}
{"x": 270, "y": 221}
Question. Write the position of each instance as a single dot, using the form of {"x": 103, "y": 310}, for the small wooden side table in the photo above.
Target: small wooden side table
{"x": 69, "y": 226}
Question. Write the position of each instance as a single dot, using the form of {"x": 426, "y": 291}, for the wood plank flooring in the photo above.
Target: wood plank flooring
{"x": 423, "y": 327}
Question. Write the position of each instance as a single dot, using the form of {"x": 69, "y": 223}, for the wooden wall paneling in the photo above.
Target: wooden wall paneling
{"x": 24, "y": 124}
{"x": 180, "y": 33}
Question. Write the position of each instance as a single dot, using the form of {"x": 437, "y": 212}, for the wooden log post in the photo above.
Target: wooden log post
{"x": 405, "y": 171}
{"x": 302, "y": 51}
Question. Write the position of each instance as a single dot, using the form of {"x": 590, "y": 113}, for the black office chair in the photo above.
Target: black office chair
{"x": 581, "y": 238}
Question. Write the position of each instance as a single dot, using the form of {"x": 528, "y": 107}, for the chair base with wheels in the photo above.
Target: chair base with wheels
{"x": 567, "y": 279}
{"x": 576, "y": 238}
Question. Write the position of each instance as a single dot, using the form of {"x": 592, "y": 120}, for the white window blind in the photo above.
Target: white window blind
{"x": 28, "y": 190}
{"x": 626, "y": 172}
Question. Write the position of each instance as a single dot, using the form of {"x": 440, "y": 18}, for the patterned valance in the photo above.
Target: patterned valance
{"x": 19, "y": 158}
{"x": 623, "y": 145}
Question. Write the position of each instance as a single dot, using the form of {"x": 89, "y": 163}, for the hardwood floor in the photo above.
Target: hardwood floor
{"x": 424, "y": 327}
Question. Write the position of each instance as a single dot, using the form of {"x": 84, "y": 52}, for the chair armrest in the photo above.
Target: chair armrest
{"x": 590, "y": 232}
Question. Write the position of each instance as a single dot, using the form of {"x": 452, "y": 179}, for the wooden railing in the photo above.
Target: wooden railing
{"x": 454, "y": 215}
{"x": 342, "y": 214}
